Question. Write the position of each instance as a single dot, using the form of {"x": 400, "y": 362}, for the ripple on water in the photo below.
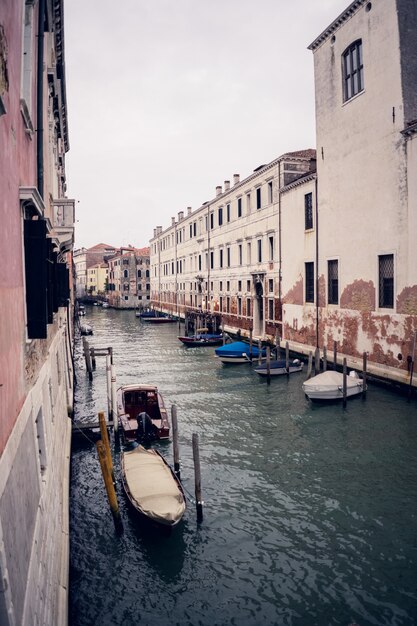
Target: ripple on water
{"x": 309, "y": 510}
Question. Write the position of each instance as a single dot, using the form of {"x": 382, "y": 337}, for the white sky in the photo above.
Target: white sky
{"x": 169, "y": 98}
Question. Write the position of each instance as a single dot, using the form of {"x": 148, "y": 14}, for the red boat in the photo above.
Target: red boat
{"x": 141, "y": 413}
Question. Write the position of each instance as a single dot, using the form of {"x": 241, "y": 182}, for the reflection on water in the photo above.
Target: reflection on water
{"x": 310, "y": 510}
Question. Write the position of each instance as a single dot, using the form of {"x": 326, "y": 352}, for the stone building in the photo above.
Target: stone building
{"x": 84, "y": 259}
{"x": 97, "y": 280}
{"x": 329, "y": 259}
{"x": 129, "y": 278}
{"x": 226, "y": 257}
{"x": 36, "y": 371}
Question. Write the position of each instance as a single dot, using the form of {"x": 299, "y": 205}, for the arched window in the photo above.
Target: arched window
{"x": 352, "y": 70}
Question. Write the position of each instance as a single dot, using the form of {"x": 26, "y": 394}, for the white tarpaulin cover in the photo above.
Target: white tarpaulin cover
{"x": 330, "y": 379}
{"x": 152, "y": 486}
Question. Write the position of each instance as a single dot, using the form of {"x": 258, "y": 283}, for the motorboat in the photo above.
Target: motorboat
{"x": 329, "y": 386}
{"x": 238, "y": 352}
{"x": 279, "y": 367}
{"x": 86, "y": 329}
{"x": 152, "y": 487}
{"x": 141, "y": 413}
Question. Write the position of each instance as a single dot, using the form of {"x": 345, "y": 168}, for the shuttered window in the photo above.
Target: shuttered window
{"x": 36, "y": 278}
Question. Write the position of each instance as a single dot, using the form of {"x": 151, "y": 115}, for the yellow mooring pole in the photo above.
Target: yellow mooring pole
{"x": 108, "y": 482}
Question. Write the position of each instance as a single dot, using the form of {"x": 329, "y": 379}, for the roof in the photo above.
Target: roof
{"x": 101, "y": 246}
{"x": 142, "y": 251}
{"x": 310, "y": 153}
{"x": 347, "y": 13}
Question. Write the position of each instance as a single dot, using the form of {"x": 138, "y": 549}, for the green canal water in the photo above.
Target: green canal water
{"x": 310, "y": 510}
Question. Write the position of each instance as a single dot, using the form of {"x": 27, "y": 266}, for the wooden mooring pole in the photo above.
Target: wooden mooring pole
{"x": 310, "y": 365}
{"x": 317, "y": 361}
{"x": 177, "y": 468}
{"x": 324, "y": 358}
{"x": 108, "y": 376}
{"x": 344, "y": 382}
{"x": 93, "y": 357}
{"x": 108, "y": 482}
{"x": 197, "y": 479}
{"x": 114, "y": 400}
{"x": 277, "y": 343}
{"x": 250, "y": 343}
{"x": 335, "y": 355}
{"x": 259, "y": 352}
{"x": 87, "y": 356}
{"x": 105, "y": 440}
{"x": 268, "y": 365}
{"x": 287, "y": 357}
{"x": 364, "y": 375}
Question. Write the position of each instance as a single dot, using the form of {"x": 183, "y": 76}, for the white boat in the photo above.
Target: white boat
{"x": 152, "y": 487}
{"x": 278, "y": 368}
{"x": 329, "y": 386}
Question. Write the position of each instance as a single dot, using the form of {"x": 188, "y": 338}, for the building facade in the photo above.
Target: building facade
{"x": 129, "y": 278}
{"x": 84, "y": 259}
{"x": 326, "y": 260}
{"x": 36, "y": 371}
{"x": 97, "y": 280}
{"x": 226, "y": 257}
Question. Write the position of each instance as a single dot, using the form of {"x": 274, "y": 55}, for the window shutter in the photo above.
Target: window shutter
{"x": 36, "y": 278}
{"x": 63, "y": 284}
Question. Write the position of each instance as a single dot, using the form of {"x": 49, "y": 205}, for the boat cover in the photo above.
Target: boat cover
{"x": 153, "y": 486}
{"x": 237, "y": 348}
{"x": 330, "y": 380}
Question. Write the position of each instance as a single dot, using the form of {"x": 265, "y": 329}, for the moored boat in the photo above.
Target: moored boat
{"x": 278, "y": 368}
{"x": 238, "y": 352}
{"x": 141, "y": 413}
{"x": 202, "y": 338}
{"x": 152, "y": 488}
{"x": 86, "y": 329}
{"x": 329, "y": 386}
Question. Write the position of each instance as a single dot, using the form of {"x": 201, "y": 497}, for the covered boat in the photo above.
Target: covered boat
{"x": 329, "y": 386}
{"x": 277, "y": 368}
{"x": 238, "y": 352}
{"x": 141, "y": 413}
{"x": 152, "y": 487}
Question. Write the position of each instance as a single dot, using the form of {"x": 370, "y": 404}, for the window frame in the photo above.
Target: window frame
{"x": 332, "y": 283}
{"x": 309, "y": 288}
{"x": 352, "y": 70}
{"x": 382, "y": 290}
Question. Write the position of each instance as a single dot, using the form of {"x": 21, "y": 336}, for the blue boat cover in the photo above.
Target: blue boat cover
{"x": 237, "y": 349}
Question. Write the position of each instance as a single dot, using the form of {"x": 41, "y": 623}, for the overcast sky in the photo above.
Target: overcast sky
{"x": 168, "y": 98}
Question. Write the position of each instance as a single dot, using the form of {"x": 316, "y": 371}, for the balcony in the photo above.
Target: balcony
{"x": 63, "y": 222}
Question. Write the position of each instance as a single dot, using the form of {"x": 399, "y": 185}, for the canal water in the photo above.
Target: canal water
{"x": 309, "y": 510}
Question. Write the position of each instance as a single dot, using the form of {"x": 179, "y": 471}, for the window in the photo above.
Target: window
{"x": 221, "y": 257}
{"x": 227, "y": 304}
{"x": 220, "y": 216}
{"x": 258, "y": 198}
{"x": 248, "y": 285}
{"x": 309, "y": 272}
{"x": 239, "y": 248}
{"x": 248, "y": 261}
{"x": 248, "y": 202}
{"x": 239, "y": 285}
{"x": 221, "y": 304}
{"x": 271, "y": 247}
{"x": 228, "y": 285}
{"x": 270, "y": 192}
{"x": 259, "y": 250}
{"x": 228, "y": 212}
{"x": 352, "y": 70}
{"x": 239, "y": 207}
{"x": 211, "y": 221}
{"x": 239, "y": 306}
{"x": 270, "y": 309}
{"x": 271, "y": 285}
{"x": 221, "y": 286}
{"x": 199, "y": 262}
{"x": 211, "y": 260}
{"x": 125, "y": 274}
{"x": 228, "y": 256}
{"x": 139, "y": 273}
{"x": 333, "y": 282}
{"x": 248, "y": 313}
{"x": 195, "y": 229}
{"x": 191, "y": 231}
{"x": 386, "y": 281}
{"x": 308, "y": 211}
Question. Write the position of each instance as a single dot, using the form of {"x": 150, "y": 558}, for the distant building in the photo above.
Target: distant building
{"x": 85, "y": 258}
{"x": 36, "y": 367}
{"x": 129, "y": 278}
{"x": 97, "y": 279}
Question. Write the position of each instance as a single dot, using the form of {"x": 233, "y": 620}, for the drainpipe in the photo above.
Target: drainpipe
{"x": 39, "y": 112}
{"x": 279, "y": 243}
{"x": 208, "y": 259}
{"x": 317, "y": 263}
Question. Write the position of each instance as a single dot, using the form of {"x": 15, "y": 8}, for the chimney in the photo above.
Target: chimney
{"x": 172, "y": 221}
{"x": 236, "y": 179}
{"x": 180, "y": 215}
{"x": 189, "y": 210}
{"x": 154, "y": 233}
{"x": 158, "y": 230}
{"x": 226, "y": 185}
{"x": 218, "y": 190}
